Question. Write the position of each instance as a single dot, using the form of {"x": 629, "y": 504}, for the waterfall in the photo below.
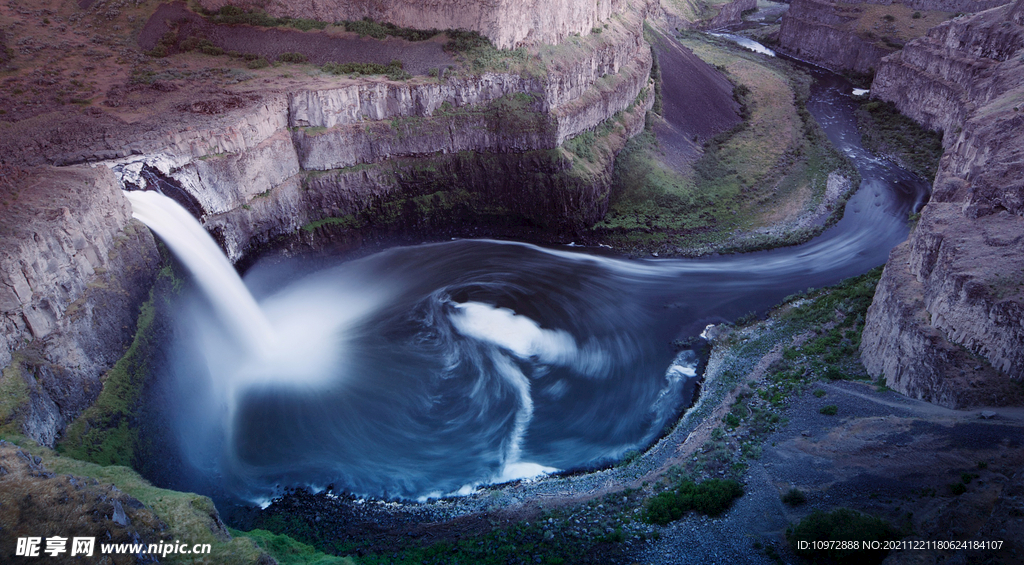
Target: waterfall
{"x": 214, "y": 274}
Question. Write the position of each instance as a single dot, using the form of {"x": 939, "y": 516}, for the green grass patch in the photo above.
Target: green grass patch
{"x": 188, "y": 516}
{"x": 105, "y": 432}
{"x": 885, "y": 130}
{"x": 287, "y": 551}
{"x": 233, "y": 15}
{"x": 379, "y": 30}
{"x": 772, "y": 166}
{"x": 293, "y": 58}
{"x": 14, "y": 396}
{"x": 711, "y": 497}
{"x": 392, "y": 70}
{"x": 841, "y": 525}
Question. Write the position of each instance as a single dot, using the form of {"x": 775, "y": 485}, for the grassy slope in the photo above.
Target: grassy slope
{"x": 768, "y": 170}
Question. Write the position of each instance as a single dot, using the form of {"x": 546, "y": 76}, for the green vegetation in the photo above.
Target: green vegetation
{"x": 769, "y": 168}
{"x": 203, "y": 45}
{"x": 392, "y": 70}
{"x": 841, "y": 525}
{"x": 187, "y": 515}
{"x": 711, "y": 497}
{"x": 830, "y": 410}
{"x": 14, "y": 396}
{"x": 106, "y": 432}
{"x": 292, "y": 58}
{"x": 164, "y": 45}
{"x": 233, "y": 15}
{"x": 370, "y": 28}
{"x": 794, "y": 497}
{"x": 591, "y": 532}
{"x": 287, "y": 551}
{"x": 884, "y": 130}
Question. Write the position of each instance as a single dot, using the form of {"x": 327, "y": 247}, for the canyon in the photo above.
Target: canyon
{"x": 261, "y": 164}
{"x": 527, "y": 140}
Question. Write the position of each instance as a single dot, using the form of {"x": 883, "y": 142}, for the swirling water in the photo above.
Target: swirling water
{"x": 427, "y": 370}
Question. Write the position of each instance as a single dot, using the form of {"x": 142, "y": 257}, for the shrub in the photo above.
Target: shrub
{"x": 841, "y": 524}
{"x": 460, "y": 40}
{"x": 712, "y": 497}
{"x": 292, "y": 58}
{"x": 830, "y": 410}
{"x": 368, "y": 27}
{"x": 393, "y": 70}
{"x": 916, "y": 16}
{"x": 794, "y": 497}
{"x": 957, "y": 488}
{"x": 258, "y": 63}
{"x": 819, "y": 393}
{"x": 889, "y": 18}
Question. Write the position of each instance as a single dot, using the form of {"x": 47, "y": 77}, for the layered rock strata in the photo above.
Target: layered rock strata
{"x": 507, "y": 23}
{"x": 813, "y": 30}
{"x": 947, "y": 322}
{"x": 255, "y": 165}
{"x": 824, "y": 31}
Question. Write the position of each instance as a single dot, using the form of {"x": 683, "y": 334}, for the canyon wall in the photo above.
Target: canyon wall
{"x": 507, "y": 23}
{"x": 839, "y": 35}
{"x": 815, "y": 30}
{"x": 74, "y": 268}
{"x": 947, "y": 322}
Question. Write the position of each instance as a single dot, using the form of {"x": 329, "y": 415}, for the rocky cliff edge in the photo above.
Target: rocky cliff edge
{"x": 947, "y": 322}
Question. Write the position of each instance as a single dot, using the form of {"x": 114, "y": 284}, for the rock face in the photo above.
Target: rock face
{"x": 811, "y": 30}
{"x": 943, "y": 77}
{"x": 75, "y": 268}
{"x": 826, "y": 32}
{"x": 507, "y": 23}
{"x": 947, "y": 323}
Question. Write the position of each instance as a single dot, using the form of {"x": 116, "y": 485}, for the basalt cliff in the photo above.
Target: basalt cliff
{"x": 507, "y": 23}
{"x": 855, "y": 36}
{"x": 947, "y": 322}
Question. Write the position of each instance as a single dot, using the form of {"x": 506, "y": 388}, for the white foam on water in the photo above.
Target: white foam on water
{"x": 860, "y": 91}
{"x": 517, "y": 334}
{"x": 523, "y": 470}
{"x": 525, "y": 339}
